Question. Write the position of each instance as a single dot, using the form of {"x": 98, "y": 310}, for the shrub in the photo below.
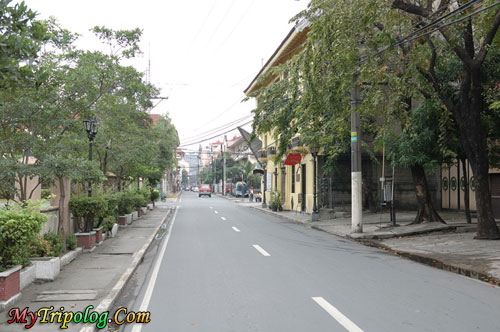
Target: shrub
{"x": 108, "y": 223}
{"x": 155, "y": 194}
{"x": 82, "y": 206}
{"x": 39, "y": 247}
{"x": 138, "y": 201}
{"x": 125, "y": 203}
{"x": 19, "y": 227}
{"x": 146, "y": 194}
{"x": 46, "y": 194}
{"x": 55, "y": 244}
{"x": 71, "y": 242}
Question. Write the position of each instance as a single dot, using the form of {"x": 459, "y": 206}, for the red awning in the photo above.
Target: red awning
{"x": 293, "y": 159}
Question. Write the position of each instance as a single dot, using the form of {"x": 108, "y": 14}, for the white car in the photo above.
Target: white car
{"x": 196, "y": 189}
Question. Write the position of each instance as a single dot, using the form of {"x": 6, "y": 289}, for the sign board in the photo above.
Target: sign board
{"x": 354, "y": 136}
{"x": 269, "y": 181}
{"x": 293, "y": 159}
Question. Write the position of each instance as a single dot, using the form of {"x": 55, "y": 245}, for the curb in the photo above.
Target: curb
{"x": 436, "y": 263}
{"x": 110, "y": 299}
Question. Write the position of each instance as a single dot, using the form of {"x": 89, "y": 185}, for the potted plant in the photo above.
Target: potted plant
{"x": 19, "y": 226}
{"x": 87, "y": 208}
{"x": 46, "y": 250}
{"x": 275, "y": 203}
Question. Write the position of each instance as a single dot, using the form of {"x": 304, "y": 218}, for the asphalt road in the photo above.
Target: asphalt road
{"x": 228, "y": 268}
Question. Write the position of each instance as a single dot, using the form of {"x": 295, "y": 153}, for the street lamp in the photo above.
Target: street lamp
{"x": 91, "y": 128}
{"x": 314, "y": 151}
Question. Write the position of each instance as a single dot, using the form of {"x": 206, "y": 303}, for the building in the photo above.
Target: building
{"x": 302, "y": 180}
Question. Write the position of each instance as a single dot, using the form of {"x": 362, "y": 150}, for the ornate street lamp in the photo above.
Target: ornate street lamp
{"x": 91, "y": 128}
{"x": 315, "y": 214}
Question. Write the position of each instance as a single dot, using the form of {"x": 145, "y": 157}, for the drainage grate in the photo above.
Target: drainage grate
{"x": 66, "y": 295}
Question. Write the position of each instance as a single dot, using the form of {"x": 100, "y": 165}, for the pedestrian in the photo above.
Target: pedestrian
{"x": 251, "y": 193}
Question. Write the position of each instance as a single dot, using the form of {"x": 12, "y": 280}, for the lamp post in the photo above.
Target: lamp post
{"x": 91, "y": 128}
{"x": 315, "y": 214}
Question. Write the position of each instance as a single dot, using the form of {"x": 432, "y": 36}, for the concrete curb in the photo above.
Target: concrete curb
{"x": 110, "y": 299}
{"x": 436, "y": 263}
{"x": 433, "y": 262}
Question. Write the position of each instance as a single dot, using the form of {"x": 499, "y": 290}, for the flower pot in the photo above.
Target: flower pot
{"x": 98, "y": 234}
{"x": 274, "y": 208}
{"x": 135, "y": 215}
{"x": 144, "y": 210}
{"x": 86, "y": 240}
{"x": 9, "y": 286}
{"x": 139, "y": 213}
{"x": 46, "y": 268}
{"x": 122, "y": 220}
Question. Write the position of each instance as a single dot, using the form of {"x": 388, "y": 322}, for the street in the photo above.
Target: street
{"x": 230, "y": 268}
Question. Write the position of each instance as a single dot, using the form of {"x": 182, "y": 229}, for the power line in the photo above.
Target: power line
{"x": 209, "y": 138}
{"x": 212, "y": 131}
{"x": 418, "y": 33}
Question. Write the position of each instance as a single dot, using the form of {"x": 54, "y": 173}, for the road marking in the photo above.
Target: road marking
{"x": 154, "y": 275}
{"x": 223, "y": 218}
{"x": 211, "y": 208}
{"x": 216, "y": 212}
{"x": 339, "y": 317}
{"x": 262, "y": 251}
{"x": 236, "y": 229}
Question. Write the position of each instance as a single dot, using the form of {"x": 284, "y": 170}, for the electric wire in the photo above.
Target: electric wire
{"x": 218, "y": 135}
{"x": 214, "y": 130}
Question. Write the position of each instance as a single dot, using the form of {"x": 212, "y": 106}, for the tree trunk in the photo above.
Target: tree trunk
{"x": 425, "y": 212}
{"x": 61, "y": 229}
{"x": 466, "y": 192}
{"x": 472, "y": 136}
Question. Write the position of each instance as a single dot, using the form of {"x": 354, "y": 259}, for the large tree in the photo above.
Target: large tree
{"x": 469, "y": 42}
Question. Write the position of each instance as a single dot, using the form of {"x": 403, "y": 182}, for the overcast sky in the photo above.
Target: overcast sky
{"x": 203, "y": 53}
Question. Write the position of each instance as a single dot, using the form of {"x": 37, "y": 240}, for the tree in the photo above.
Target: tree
{"x": 469, "y": 43}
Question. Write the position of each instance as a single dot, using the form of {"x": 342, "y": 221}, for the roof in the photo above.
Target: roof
{"x": 291, "y": 45}
{"x": 155, "y": 118}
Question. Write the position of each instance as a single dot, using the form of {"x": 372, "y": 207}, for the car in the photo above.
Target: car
{"x": 205, "y": 190}
{"x": 196, "y": 189}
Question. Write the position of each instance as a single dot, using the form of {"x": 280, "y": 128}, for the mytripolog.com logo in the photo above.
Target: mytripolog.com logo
{"x": 48, "y": 315}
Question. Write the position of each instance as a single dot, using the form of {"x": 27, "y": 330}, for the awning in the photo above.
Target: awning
{"x": 293, "y": 159}
{"x": 258, "y": 171}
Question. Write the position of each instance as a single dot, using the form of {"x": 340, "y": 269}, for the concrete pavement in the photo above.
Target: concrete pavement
{"x": 449, "y": 246}
{"x": 93, "y": 279}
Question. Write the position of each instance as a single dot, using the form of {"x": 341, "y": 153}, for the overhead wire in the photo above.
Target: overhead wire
{"x": 214, "y": 130}
{"x": 212, "y": 137}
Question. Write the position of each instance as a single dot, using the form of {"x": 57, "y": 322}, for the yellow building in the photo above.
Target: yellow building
{"x": 295, "y": 181}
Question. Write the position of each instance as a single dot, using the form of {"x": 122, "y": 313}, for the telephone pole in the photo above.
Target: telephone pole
{"x": 356, "y": 179}
{"x": 224, "y": 166}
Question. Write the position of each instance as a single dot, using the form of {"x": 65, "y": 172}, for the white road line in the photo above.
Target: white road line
{"x": 262, "y": 251}
{"x": 216, "y": 212}
{"x": 154, "y": 275}
{"x": 223, "y": 218}
{"x": 211, "y": 207}
{"x": 339, "y": 317}
{"x": 236, "y": 229}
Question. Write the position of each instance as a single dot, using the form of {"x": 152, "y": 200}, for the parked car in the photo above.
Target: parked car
{"x": 196, "y": 189}
{"x": 205, "y": 190}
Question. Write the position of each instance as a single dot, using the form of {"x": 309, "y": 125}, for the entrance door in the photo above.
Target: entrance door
{"x": 304, "y": 187}
{"x": 495, "y": 194}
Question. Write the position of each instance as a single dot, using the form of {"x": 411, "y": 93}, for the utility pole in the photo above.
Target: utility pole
{"x": 224, "y": 167}
{"x": 356, "y": 179}
{"x": 199, "y": 166}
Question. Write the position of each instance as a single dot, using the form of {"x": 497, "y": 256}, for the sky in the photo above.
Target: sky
{"x": 202, "y": 53}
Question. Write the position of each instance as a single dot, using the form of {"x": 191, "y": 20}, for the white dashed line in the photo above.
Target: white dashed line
{"x": 223, "y": 218}
{"x": 216, "y": 212}
{"x": 211, "y": 208}
{"x": 339, "y": 317}
{"x": 262, "y": 251}
{"x": 236, "y": 229}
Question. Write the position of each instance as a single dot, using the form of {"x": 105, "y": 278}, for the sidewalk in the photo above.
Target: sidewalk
{"x": 95, "y": 278}
{"x": 449, "y": 246}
